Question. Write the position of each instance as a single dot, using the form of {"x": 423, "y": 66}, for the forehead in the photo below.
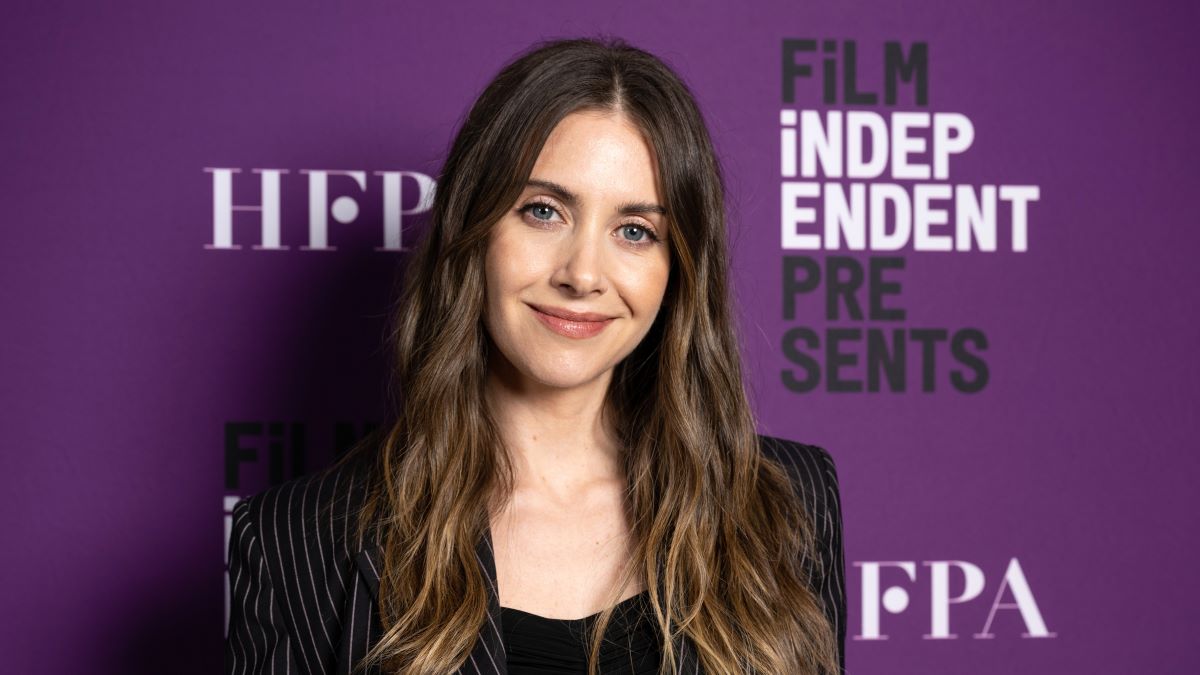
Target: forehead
{"x": 600, "y": 155}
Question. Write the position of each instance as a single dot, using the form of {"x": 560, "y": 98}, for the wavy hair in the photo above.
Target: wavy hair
{"x": 719, "y": 538}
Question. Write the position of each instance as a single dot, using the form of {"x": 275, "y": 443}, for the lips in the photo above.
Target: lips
{"x": 570, "y": 324}
{"x": 571, "y": 316}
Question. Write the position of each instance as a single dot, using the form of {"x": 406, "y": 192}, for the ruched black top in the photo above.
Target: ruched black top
{"x": 537, "y": 645}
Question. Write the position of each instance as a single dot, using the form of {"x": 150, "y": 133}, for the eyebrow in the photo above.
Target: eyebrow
{"x": 572, "y": 200}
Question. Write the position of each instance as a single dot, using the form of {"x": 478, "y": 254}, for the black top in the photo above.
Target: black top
{"x": 537, "y": 645}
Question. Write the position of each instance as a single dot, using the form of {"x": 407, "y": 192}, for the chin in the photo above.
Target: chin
{"x": 563, "y": 378}
{"x": 551, "y": 364}
{"x": 563, "y": 373}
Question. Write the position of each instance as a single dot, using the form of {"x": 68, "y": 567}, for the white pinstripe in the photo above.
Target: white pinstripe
{"x": 321, "y": 557}
{"x": 241, "y": 640}
{"x": 311, "y": 576}
{"x": 350, "y": 662}
{"x": 291, "y": 554}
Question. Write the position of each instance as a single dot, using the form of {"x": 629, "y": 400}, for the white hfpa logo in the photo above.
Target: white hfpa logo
{"x": 894, "y": 599}
{"x": 344, "y": 209}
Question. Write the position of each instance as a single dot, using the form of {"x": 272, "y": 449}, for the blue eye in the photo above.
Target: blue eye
{"x": 641, "y": 235}
{"x": 639, "y": 232}
{"x": 538, "y": 210}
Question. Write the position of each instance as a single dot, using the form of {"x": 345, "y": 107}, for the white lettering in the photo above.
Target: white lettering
{"x": 794, "y": 215}
{"x": 224, "y": 208}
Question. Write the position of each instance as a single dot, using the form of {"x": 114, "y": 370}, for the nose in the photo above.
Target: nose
{"x": 581, "y": 270}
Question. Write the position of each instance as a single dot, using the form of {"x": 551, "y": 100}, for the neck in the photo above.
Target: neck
{"x": 560, "y": 439}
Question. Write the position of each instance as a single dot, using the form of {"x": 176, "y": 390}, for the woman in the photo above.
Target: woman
{"x": 574, "y": 457}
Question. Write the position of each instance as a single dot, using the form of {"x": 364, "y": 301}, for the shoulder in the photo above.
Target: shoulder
{"x": 811, "y": 465}
{"x": 311, "y": 519}
{"x": 814, "y": 478}
{"x": 292, "y": 567}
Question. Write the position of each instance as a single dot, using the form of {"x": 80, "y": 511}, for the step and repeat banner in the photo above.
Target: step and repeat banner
{"x": 963, "y": 237}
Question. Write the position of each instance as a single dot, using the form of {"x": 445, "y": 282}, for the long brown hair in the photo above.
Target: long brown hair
{"x": 720, "y": 540}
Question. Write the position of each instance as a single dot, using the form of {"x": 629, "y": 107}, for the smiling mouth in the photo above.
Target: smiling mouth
{"x": 572, "y": 328}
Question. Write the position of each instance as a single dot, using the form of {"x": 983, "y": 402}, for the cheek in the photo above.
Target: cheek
{"x": 511, "y": 265}
{"x": 514, "y": 255}
{"x": 650, "y": 286}
{"x": 499, "y": 264}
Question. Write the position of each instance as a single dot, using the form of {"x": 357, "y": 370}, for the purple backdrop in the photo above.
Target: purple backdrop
{"x": 151, "y": 373}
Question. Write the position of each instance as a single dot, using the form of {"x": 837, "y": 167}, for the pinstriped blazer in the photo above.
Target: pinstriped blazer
{"x": 304, "y": 600}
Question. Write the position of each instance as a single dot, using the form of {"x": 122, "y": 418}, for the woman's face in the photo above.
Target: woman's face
{"x": 577, "y": 268}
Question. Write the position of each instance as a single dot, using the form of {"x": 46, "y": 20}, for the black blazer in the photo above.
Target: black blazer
{"x": 304, "y": 600}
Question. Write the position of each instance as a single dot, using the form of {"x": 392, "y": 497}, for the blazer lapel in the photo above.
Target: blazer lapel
{"x": 360, "y": 615}
{"x": 368, "y": 568}
{"x": 488, "y": 657}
